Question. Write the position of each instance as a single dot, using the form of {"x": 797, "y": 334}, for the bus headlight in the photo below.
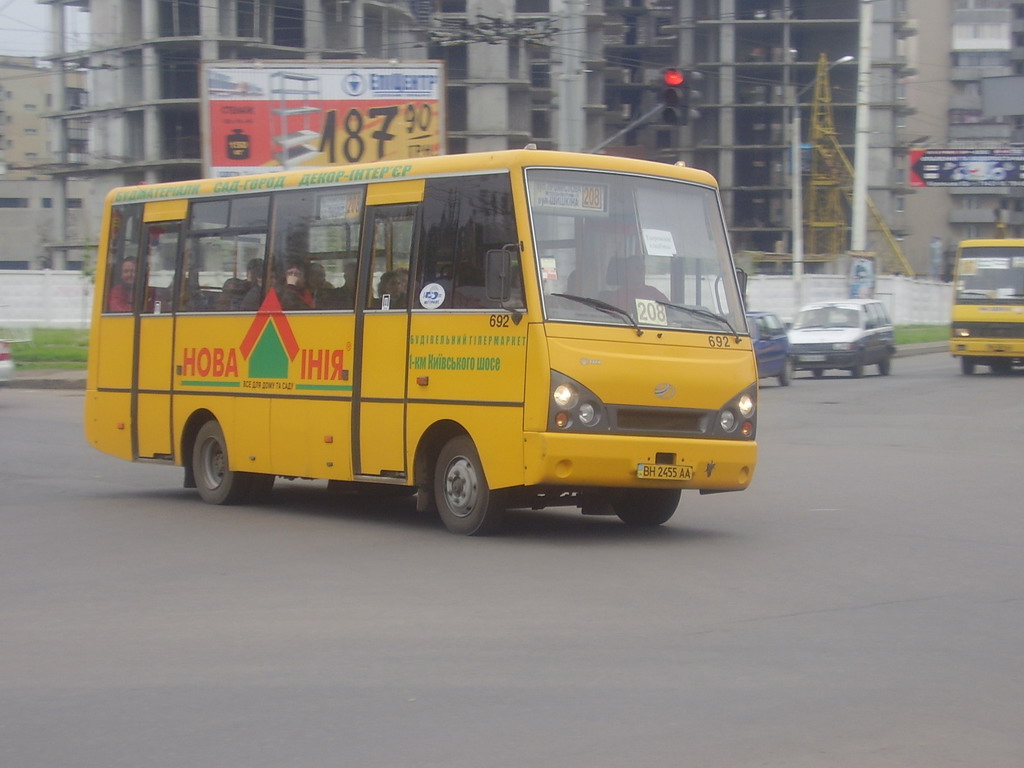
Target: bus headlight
{"x": 737, "y": 419}
{"x": 573, "y": 406}
{"x": 746, "y": 405}
{"x": 587, "y": 414}
{"x": 842, "y": 346}
{"x": 727, "y": 420}
{"x": 565, "y": 396}
{"x": 962, "y": 333}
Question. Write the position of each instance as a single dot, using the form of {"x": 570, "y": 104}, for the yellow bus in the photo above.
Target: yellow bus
{"x": 988, "y": 305}
{"x": 511, "y": 329}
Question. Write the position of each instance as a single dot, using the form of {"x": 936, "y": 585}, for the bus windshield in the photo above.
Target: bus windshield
{"x": 634, "y": 250}
{"x": 991, "y": 273}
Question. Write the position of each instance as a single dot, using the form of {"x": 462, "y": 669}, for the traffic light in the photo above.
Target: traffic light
{"x": 675, "y": 97}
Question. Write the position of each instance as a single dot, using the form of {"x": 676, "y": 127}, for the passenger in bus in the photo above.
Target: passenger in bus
{"x": 254, "y": 292}
{"x": 627, "y": 276}
{"x": 194, "y": 297}
{"x": 293, "y": 292}
{"x": 344, "y": 297}
{"x": 122, "y": 293}
{"x": 393, "y": 289}
{"x": 319, "y": 286}
{"x": 231, "y": 295}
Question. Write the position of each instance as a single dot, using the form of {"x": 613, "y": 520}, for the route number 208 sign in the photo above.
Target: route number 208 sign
{"x": 269, "y": 116}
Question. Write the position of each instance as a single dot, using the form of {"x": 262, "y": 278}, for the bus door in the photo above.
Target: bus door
{"x": 382, "y": 330}
{"x": 154, "y": 338}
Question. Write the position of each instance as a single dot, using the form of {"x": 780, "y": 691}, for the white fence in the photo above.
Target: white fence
{"x": 909, "y": 301}
{"x": 44, "y": 299}
{"x": 61, "y": 299}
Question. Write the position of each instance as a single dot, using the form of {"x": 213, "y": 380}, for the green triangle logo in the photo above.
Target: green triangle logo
{"x": 269, "y": 360}
{"x": 269, "y": 344}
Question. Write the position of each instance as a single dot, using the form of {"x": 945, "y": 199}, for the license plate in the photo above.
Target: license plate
{"x": 812, "y": 358}
{"x": 664, "y": 472}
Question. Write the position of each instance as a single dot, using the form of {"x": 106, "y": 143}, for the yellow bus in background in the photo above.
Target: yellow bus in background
{"x": 492, "y": 330}
{"x": 988, "y": 305}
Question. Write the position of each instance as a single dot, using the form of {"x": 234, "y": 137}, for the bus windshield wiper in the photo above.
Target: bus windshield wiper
{"x": 604, "y": 306}
{"x": 703, "y": 312}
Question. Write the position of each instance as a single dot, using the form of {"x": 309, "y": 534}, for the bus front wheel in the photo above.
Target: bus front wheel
{"x": 216, "y": 482}
{"x": 646, "y": 507}
{"x": 465, "y": 502}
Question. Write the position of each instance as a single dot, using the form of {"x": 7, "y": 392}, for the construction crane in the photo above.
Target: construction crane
{"x": 831, "y": 182}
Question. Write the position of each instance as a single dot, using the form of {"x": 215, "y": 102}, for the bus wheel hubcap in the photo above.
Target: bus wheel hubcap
{"x": 460, "y": 487}
{"x": 213, "y": 463}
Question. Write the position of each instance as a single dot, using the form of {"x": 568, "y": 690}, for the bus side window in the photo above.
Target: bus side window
{"x": 160, "y": 258}
{"x": 394, "y": 229}
{"x": 122, "y": 256}
{"x": 463, "y": 218}
{"x": 193, "y": 297}
{"x": 469, "y": 291}
{"x": 224, "y": 251}
{"x": 316, "y": 232}
{"x": 340, "y": 290}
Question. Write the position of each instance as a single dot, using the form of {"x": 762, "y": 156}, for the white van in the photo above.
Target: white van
{"x": 846, "y": 334}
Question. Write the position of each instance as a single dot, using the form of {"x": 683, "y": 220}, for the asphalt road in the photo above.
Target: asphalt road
{"x": 861, "y": 605}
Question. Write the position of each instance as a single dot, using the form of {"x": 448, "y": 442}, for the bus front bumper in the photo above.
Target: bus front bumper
{"x": 1011, "y": 348}
{"x": 628, "y": 461}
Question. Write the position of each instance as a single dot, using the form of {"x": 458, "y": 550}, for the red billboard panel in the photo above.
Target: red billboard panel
{"x": 276, "y": 115}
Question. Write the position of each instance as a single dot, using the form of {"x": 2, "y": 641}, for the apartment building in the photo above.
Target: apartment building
{"x": 961, "y": 44}
{"x": 29, "y": 198}
{"x": 987, "y": 42}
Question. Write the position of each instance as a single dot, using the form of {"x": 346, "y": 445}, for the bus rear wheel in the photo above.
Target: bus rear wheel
{"x": 216, "y": 482}
{"x": 465, "y": 502}
{"x": 646, "y": 507}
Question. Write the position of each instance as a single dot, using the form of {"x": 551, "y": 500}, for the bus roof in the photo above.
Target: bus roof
{"x": 394, "y": 170}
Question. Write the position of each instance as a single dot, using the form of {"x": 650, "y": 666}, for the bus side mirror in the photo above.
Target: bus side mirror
{"x": 498, "y": 275}
{"x": 741, "y": 278}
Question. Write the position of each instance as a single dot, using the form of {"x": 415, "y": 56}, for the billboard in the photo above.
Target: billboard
{"x": 967, "y": 167}
{"x": 276, "y": 115}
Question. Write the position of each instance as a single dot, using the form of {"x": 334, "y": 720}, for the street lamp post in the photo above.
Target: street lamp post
{"x": 858, "y": 216}
{"x": 796, "y": 186}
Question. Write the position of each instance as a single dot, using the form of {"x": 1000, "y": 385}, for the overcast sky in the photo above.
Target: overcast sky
{"x": 25, "y": 27}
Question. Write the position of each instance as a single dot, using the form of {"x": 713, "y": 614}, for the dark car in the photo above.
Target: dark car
{"x": 771, "y": 346}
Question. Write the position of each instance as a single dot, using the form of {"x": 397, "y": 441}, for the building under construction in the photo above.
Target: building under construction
{"x": 564, "y": 74}
{"x": 761, "y": 61}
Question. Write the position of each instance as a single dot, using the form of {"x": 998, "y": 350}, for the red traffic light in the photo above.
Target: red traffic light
{"x": 674, "y": 77}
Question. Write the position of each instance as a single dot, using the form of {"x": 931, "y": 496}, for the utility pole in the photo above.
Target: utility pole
{"x": 858, "y": 218}
{"x": 571, "y": 97}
